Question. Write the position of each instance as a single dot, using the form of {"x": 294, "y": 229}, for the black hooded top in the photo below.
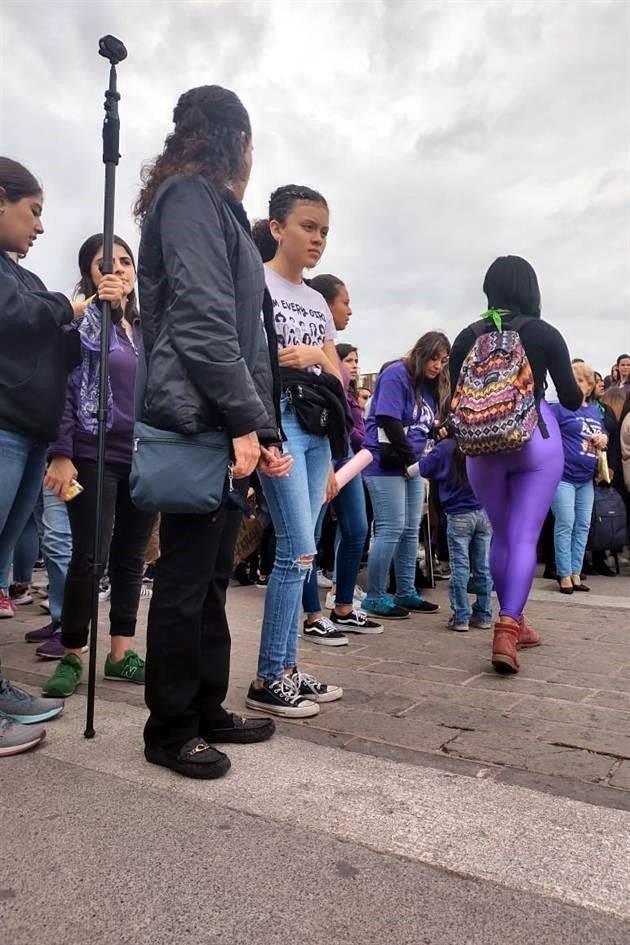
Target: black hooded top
{"x": 511, "y": 284}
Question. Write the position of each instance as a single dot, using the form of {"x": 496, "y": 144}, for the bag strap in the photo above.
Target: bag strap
{"x": 140, "y": 384}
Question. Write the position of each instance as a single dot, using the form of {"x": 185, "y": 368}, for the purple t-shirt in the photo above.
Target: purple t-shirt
{"x": 576, "y": 428}
{"x": 395, "y": 396}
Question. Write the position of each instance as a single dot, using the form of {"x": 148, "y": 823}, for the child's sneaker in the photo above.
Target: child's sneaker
{"x": 459, "y": 625}
{"x": 479, "y": 623}
{"x": 6, "y": 606}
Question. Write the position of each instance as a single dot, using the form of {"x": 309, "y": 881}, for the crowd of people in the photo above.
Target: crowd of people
{"x": 239, "y": 342}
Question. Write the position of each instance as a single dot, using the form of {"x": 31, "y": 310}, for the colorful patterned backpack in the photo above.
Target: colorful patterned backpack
{"x": 494, "y": 408}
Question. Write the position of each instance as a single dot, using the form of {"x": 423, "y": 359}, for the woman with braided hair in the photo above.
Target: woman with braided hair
{"x": 314, "y": 415}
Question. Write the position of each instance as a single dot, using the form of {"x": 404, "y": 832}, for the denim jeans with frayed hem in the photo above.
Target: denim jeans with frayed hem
{"x": 295, "y": 502}
{"x": 21, "y": 476}
{"x": 469, "y": 535}
{"x": 397, "y": 503}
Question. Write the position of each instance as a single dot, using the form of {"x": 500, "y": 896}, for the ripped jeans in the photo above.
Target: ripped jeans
{"x": 295, "y": 502}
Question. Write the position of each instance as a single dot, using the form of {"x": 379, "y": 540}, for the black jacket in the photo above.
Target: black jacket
{"x": 36, "y": 353}
{"x": 202, "y": 283}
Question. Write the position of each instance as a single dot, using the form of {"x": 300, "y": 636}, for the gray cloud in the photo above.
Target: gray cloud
{"x": 442, "y": 135}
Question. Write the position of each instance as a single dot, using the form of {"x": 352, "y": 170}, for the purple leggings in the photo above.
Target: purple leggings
{"x": 516, "y": 490}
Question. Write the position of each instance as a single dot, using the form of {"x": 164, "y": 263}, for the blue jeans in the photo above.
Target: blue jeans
{"x": 295, "y": 502}
{"x": 352, "y": 528}
{"x": 469, "y": 535}
{"x": 53, "y": 523}
{"x": 572, "y": 508}
{"x": 397, "y": 504}
{"x": 21, "y": 475}
{"x": 26, "y": 552}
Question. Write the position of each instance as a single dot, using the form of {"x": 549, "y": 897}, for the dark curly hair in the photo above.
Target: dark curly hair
{"x": 212, "y": 129}
{"x": 281, "y": 204}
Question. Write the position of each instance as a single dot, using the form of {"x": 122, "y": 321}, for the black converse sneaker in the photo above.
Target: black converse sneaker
{"x": 325, "y": 632}
{"x": 312, "y": 688}
{"x": 357, "y": 621}
{"x": 280, "y": 697}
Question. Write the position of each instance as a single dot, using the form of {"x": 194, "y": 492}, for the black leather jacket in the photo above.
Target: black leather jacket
{"x": 201, "y": 283}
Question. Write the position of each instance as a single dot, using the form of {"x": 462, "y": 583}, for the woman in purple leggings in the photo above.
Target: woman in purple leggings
{"x": 516, "y": 488}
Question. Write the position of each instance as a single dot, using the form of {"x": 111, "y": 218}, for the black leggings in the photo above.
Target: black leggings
{"x": 125, "y": 534}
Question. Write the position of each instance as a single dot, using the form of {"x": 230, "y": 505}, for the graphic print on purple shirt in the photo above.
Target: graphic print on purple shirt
{"x": 301, "y": 314}
{"x": 576, "y": 428}
{"x": 395, "y": 396}
{"x": 73, "y": 440}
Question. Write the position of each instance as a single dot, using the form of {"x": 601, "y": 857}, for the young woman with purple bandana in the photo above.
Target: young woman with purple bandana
{"x": 125, "y": 529}
{"x": 516, "y": 488}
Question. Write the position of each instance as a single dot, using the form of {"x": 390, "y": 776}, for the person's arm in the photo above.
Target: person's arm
{"x": 201, "y": 313}
{"x": 61, "y": 469}
{"x": 395, "y": 433}
{"x": 30, "y": 311}
{"x": 301, "y": 357}
{"x": 431, "y": 462}
{"x": 561, "y": 369}
{"x": 461, "y": 346}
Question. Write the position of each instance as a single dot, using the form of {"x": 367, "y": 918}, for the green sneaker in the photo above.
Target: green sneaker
{"x": 129, "y": 669}
{"x": 65, "y": 678}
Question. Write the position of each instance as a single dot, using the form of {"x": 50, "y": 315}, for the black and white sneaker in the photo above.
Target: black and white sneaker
{"x": 357, "y": 621}
{"x": 312, "y": 688}
{"x": 325, "y": 632}
{"x": 280, "y": 697}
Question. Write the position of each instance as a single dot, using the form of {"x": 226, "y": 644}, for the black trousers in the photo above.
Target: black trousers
{"x": 188, "y": 638}
{"x": 125, "y": 533}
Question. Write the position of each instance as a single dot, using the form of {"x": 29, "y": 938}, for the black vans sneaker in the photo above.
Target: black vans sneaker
{"x": 312, "y": 688}
{"x": 325, "y": 632}
{"x": 280, "y": 697}
{"x": 357, "y": 621}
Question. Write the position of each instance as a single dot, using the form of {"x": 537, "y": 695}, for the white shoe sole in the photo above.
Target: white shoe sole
{"x": 5, "y": 615}
{"x": 336, "y": 693}
{"x": 22, "y": 602}
{"x": 26, "y": 746}
{"x": 364, "y": 631}
{"x": 285, "y": 712}
{"x": 326, "y": 641}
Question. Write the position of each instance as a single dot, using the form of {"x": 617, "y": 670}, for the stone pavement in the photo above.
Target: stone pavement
{"x": 422, "y": 695}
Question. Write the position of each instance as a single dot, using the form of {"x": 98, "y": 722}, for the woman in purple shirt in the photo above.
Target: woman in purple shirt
{"x": 125, "y": 530}
{"x": 582, "y": 434}
{"x": 410, "y": 398}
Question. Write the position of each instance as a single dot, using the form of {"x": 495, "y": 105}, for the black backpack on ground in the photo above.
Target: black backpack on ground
{"x": 609, "y": 522}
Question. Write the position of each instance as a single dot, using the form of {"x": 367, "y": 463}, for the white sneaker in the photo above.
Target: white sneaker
{"x": 323, "y": 581}
{"x": 359, "y": 593}
{"x": 331, "y": 601}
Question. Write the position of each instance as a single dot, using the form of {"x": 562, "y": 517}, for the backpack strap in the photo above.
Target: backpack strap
{"x": 518, "y": 323}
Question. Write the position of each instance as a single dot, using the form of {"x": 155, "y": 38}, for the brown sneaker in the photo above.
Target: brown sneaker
{"x": 527, "y": 636}
{"x": 505, "y": 645}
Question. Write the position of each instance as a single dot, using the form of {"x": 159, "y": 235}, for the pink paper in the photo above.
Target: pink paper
{"x": 353, "y": 467}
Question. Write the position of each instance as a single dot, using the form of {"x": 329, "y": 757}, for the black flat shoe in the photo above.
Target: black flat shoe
{"x": 241, "y": 731}
{"x": 566, "y": 590}
{"x": 581, "y": 587}
{"x": 195, "y": 759}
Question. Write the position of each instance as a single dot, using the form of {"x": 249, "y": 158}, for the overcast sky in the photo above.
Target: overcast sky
{"x": 442, "y": 134}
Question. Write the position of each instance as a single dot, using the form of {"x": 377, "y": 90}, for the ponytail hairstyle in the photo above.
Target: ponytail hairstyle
{"x": 328, "y": 286}
{"x": 85, "y": 286}
{"x": 431, "y": 345}
{"x": 212, "y": 131}
{"x": 281, "y": 204}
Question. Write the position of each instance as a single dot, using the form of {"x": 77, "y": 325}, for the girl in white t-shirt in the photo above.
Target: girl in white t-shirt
{"x": 291, "y": 240}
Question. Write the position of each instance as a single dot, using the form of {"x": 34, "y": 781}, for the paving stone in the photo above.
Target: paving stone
{"x": 581, "y": 713}
{"x": 621, "y": 777}
{"x": 460, "y": 694}
{"x": 532, "y": 755}
{"x": 377, "y": 726}
{"x": 520, "y": 684}
{"x": 595, "y": 681}
{"x": 418, "y": 671}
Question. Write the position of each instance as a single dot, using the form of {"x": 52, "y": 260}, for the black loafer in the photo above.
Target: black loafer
{"x": 195, "y": 759}
{"x": 241, "y": 731}
{"x": 566, "y": 590}
{"x": 581, "y": 587}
